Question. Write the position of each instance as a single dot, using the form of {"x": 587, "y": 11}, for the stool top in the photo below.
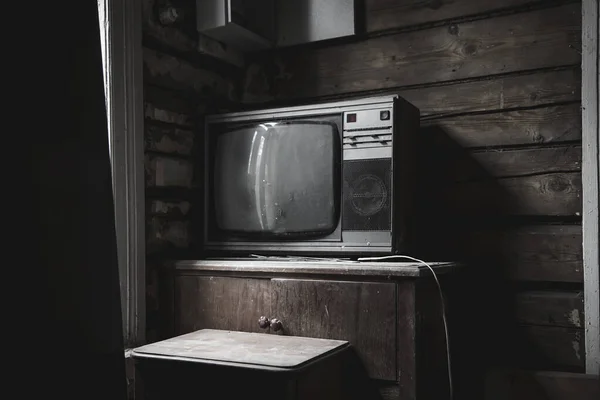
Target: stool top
{"x": 241, "y": 349}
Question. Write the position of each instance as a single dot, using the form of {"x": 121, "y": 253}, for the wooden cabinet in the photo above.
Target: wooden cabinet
{"x": 390, "y": 316}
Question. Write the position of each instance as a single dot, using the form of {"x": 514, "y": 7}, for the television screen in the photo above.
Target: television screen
{"x": 277, "y": 179}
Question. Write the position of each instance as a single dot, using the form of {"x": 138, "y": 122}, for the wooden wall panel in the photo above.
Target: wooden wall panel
{"x": 493, "y": 93}
{"x": 537, "y": 39}
{"x": 519, "y": 181}
{"x": 530, "y": 253}
{"x": 167, "y": 109}
{"x": 515, "y": 162}
{"x": 499, "y": 93}
{"x": 552, "y": 194}
{"x": 168, "y": 139}
{"x": 171, "y": 100}
{"x": 166, "y": 208}
{"x": 541, "y": 385}
{"x": 166, "y": 234}
{"x": 532, "y": 126}
{"x": 540, "y": 346}
{"x": 152, "y": 113}
{"x": 171, "y": 72}
{"x": 550, "y": 308}
{"x": 387, "y": 14}
{"x": 168, "y": 172}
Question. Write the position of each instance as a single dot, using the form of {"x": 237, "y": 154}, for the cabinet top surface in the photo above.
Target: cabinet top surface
{"x": 317, "y": 267}
{"x": 241, "y": 349}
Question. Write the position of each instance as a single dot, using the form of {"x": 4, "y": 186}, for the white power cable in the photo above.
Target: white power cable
{"x": 441, "y": 299}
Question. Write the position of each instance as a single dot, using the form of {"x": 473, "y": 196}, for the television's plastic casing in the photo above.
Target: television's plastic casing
{"x": 382, "y": 128}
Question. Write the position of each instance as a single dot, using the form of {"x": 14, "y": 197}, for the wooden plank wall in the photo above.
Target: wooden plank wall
{"x": 185, "y": 76}
{"x": 498, "y": 86}
{"x": 541, "y": 385}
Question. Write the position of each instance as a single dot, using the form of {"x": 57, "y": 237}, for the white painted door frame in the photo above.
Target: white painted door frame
{"x": 121, "y": 35}
{"x": 590, "y": 174}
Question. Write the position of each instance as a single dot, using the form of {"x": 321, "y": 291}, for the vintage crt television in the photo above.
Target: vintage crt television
{"x": 324, "y": 179}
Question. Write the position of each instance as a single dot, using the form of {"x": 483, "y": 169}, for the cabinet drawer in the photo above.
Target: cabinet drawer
{"x": 362, "y": 313}
{"x": 220, "y": 303}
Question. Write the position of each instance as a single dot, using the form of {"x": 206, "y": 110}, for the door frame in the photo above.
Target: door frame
{"x": 121, "y": 36}
{"x": 590, "y": 174}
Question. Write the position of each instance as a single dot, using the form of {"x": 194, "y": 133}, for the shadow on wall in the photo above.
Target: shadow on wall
{"x": 456, "y": 200}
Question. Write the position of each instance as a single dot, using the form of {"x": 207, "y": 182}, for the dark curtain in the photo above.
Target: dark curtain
{"x": 76, "y": 351}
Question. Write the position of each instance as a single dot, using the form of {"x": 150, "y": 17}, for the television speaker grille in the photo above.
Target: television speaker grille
{"x": 367, "y": 192}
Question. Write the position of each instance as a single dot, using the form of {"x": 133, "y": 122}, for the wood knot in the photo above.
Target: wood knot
{"x": 470, "y": 49}
{"x": 537, "y": 138}
{"x": 453, "y": 29}
{"x": 557, "y": 184}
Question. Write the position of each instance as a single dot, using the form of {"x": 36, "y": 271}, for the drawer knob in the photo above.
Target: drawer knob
{"x": 264, "y": 322}
{"x": 276, "y": 325}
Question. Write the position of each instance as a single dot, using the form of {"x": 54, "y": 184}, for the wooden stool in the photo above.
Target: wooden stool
{"x": 215, "y": 364}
